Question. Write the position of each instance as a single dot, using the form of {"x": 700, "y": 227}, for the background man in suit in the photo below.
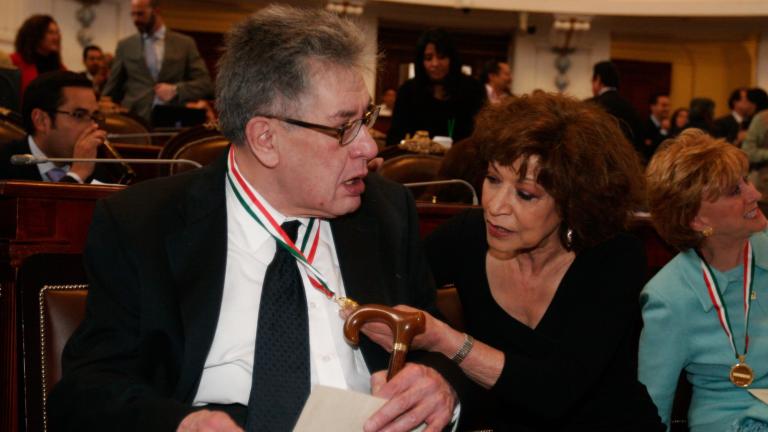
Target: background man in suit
{"x": 497, "y": 77}
{"x": 657, "y": 126}
{"x": 733, "y": 126}
{"x": 157, "y": 66}
{"x": 605, "y": 88}
{"x": 95, "y": 69}
{"x": 60, "y": 115}
{"x": 182, "y": 325}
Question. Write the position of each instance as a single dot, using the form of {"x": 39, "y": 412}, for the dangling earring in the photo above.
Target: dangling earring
{"x": 707, "y": 232}
{"x": 568, "y": 238}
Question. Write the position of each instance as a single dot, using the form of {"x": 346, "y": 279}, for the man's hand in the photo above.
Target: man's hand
{"x": 166, "y": 92}
{"x": 208, "y": 421}
{"x": 86, "y": 146}
{"x": 418, "y": 394}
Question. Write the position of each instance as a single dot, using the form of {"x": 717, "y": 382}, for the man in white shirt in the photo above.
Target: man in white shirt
{"x": 60, "y": 115}
{"x": 733, "y": 126}
{"x": 182, "y": 294}
{"x": 497, "y": 77}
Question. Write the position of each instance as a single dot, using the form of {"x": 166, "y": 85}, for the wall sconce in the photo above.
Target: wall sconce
{"x": 564, "y": 30}
{"x": 345, "y": 7}
{"x": 85, "y": 16}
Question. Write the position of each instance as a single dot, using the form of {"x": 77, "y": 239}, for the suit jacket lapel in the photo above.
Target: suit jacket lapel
{"x": 197, "y": 254}
{"x": 356, "y": 237}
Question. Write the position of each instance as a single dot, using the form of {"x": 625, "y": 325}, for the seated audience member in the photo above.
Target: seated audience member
{"x": 440, "y": 99}
{"x": 755, "y": 143}
{"x": 388, "y": 99}
{"x": 696, "y": 308}
{"x": 60, "y": 114}
{"x": 95, "y": 69}
{"x": 678, "y": 122}
{"x": 38, "y": 48}
{"x": 548, "y": 282}
{"x": 191, "y": 324}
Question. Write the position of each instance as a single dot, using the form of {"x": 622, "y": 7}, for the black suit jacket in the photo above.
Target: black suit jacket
{"x": 629, "y": 121}
{"x": 726, "y": 127}
{"x": 156, "y": 259}
{"x": 653, "y": 138}
{"x": 31, "y": 172}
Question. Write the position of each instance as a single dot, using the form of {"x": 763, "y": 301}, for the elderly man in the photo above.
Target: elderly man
{"x": 205, "y": 312}
{"x": 157, "y": 66}
{"x": 60, "y": 115}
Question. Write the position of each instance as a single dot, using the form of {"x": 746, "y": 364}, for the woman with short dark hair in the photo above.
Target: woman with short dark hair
{"x": 548, "y": 282}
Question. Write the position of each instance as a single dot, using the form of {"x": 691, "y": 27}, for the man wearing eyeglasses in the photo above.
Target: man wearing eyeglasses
{"x": 60, "y": 114}
{"x": 204, "y": 313}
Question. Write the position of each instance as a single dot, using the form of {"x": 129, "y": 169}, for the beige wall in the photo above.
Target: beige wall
{"x": 699, "y": 69}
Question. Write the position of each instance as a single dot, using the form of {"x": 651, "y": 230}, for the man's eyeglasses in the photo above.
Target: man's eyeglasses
{"x": 81, "y": 114}
{"x": 345, "y": 134}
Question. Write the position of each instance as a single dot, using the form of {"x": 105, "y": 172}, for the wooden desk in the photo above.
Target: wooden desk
{"x": 35, "y": 217}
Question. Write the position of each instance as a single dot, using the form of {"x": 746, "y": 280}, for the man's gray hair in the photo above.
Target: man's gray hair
{"x": 266, "y": 68}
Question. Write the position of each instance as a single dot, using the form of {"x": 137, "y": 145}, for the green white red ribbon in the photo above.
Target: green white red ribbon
{"x": 717, "y": 297}
{"x": 253, "y": 206}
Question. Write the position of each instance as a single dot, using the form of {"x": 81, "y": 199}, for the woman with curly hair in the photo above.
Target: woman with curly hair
{"x": 548, "y": 282}
{"x": 706, "y": 312}
{"x": 38, "y": 48}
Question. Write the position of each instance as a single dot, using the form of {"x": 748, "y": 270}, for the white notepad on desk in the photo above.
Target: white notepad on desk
{"x": 330, "y": 408}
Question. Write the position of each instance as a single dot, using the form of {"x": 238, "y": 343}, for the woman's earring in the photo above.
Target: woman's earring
{"x": 707, "y": 232}
{"x": 569, "y": 238}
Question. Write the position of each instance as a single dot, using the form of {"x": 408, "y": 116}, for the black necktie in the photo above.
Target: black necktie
{"x": 281, "y": 364}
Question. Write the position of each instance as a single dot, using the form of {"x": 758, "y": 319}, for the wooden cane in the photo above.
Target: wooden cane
{"x": 404, "y": 325}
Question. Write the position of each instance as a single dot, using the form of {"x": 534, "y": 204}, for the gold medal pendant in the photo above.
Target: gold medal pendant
{"x": 741, "y": 374}
{"x": 346, "y": 303}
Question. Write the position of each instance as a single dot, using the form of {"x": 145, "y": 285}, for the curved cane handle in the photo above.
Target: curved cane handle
{"x": 404, "y": 325}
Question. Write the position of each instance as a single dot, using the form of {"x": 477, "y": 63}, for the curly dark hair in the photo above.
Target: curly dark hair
{"x": 585, "y": 162}
{"x": 29, "y": 36}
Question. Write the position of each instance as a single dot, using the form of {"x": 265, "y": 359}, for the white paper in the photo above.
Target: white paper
{"x": 333, "y": 409}
{"x": 761, "y": 394}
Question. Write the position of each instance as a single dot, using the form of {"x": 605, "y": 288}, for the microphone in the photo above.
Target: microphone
{"x": 444, "y": 182}
{"x": 129, "y": 174}
{"x": 28, "y": 159}
{"x": 116, "y": 136}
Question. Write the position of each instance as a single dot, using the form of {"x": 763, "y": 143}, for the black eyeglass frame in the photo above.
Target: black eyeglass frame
{"x": 368, "y": 118}
{"x": 78, "y": 114}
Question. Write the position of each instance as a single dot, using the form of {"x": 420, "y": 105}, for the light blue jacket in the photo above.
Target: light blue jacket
{"x": 682, "y": 331}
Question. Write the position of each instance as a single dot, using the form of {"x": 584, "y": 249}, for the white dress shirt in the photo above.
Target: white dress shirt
{"x": 227, "y": 372}
{"x": 47, "y": 166}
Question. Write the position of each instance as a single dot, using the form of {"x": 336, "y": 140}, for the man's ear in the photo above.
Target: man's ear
{"x": 41, "y": 120}
{"x": 260, "y": 139}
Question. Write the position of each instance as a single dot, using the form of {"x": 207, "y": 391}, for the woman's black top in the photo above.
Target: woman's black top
{"x": 577, "y": 370}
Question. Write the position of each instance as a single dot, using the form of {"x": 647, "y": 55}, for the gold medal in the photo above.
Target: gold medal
{"x": 741, "y": 374}
{"x": 346, "y": 303}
